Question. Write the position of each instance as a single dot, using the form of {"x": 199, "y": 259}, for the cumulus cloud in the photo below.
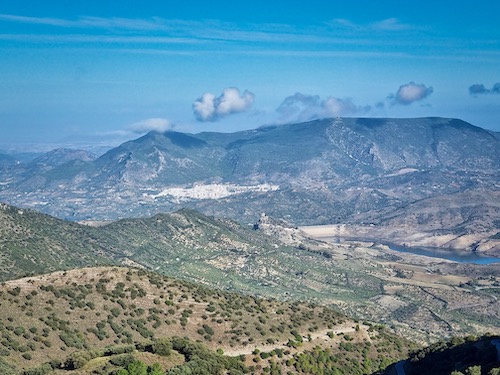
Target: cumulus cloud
{"x": 159, "y": 125}
{"x": 211, "y": 108}
{"x": 339, "y": 107}
{"x": 411, "y": 92}
{"x": 300, "y": 106}
{"x": 480, "y": 89}
{"x": 303, "y": 107}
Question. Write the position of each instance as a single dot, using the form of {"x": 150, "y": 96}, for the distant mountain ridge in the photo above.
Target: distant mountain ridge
{"x": 344, "y": 170}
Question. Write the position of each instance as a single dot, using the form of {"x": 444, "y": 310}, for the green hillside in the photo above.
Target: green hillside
{"x": 34, "y": 243}
{"x": 427, "y": 300}
{"x": 96, "y": 320}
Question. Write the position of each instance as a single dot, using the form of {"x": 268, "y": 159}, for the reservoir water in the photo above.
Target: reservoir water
{"x": 456, "y": 256}
{"x": 453, "y": 255}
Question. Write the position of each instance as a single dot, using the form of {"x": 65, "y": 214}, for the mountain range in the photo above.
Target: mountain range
{"x": 423, "y": 181}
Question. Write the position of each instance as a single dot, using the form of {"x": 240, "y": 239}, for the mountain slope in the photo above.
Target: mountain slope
{"x": 7, "y": 161}
{"x": 344, "y": 170}
{"x": 463, "y": 220}
{"x": 66, "y": 320}
{"x": 426, "y": 297}
{"x": 169, "y": 158}
{"x": 31, "y": 242}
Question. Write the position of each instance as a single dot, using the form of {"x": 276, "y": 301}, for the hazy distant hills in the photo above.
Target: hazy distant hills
{"x": 344, "y": 170}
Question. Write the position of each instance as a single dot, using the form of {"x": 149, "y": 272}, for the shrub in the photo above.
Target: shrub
{"x": 209, "y": 330}
{"x": 264, "y": 355}
{"x": 41, "y": 370}
{"x": 118, "y": 349}
{"x": 6, "y": 368}
{"x": 162, "y": 347}
{"x": 79, "y": 359}
{"x": 137, "y": 368}
{"x": 15, "y": 292}
{"x": 122, "y": 360}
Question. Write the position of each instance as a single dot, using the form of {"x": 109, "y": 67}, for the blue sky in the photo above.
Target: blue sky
{"x": 108, "y": 71}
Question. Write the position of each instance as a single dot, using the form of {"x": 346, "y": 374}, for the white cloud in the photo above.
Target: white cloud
{"x": 159, "y": 125}
{"x": 411, "y": 92}
{"x": 36, "y": 20}
{"x": 204, "y": 107}
{"x": 116, "y": 137}
{"x": 303, "y": 107}
{"x": 299, "y": 107}
{"x": 339, "y": 107}
{"x": 154, "y": 23}
{"x": 211, "y": 108}
{"x": 388, "y": 24}
{"x": 344, "y": 23}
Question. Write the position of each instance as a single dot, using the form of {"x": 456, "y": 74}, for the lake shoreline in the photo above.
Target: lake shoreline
{"x": 324, "y": 233}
